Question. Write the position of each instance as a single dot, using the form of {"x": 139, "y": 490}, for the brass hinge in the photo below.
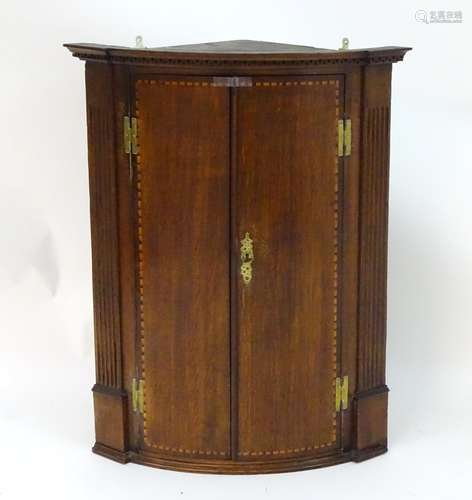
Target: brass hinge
{"x": 137, "y": 395}
{"x": 342, "y": 393}
{"x": 130, "y": 135}
{"x": 344, "y": 137}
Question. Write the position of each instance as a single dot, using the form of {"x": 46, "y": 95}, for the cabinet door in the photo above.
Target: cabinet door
{"x": 287, "y": 202}
{"x": 182, "y": 191}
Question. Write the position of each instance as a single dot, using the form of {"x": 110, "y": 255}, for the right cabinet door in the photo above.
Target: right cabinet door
{"x": 286, "y": 206}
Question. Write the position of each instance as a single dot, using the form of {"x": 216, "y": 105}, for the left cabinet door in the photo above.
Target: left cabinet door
{"x": 182, "y": 234}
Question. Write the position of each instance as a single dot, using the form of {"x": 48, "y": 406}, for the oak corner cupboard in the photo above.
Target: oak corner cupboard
{"x": 239, "y": 203}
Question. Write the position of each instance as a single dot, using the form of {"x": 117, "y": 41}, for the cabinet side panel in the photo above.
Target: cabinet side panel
{"x": 104, "y": 224}
{"x": 109, "y": 399}
{"x": 371, "y": 396}
{"x": 373, "y": 227}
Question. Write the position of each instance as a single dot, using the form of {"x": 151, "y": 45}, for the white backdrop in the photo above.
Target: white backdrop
{"x": 46, "y": 347}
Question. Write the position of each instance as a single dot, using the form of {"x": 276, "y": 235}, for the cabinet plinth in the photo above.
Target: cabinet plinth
{"x": 239, "y": 204}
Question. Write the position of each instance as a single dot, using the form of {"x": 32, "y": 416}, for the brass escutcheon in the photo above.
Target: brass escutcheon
{"x": 247, "y": 258}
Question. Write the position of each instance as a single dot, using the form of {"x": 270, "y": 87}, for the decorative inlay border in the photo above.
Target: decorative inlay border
{"x": 265, "y": 84}
{"x": 295, "y": 83}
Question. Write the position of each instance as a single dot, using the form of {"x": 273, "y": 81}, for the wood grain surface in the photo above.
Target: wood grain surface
{"x": 182, "y": 205}
{"x": 287, "y": 195}
{"x": 239, "y": 377}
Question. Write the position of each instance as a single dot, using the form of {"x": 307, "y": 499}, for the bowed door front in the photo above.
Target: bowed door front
{"x": 182, "y": 193}
{"x": 239, "y": 351}
{"x": 286, "y": 204}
